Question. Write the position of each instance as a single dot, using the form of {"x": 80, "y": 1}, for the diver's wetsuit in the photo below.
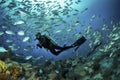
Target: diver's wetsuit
{"x": 46, "y": 42}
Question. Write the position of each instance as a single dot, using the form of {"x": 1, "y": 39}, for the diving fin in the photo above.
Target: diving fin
{"x": 79, "y": 42}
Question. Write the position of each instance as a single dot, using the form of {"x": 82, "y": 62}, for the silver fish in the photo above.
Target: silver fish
{"x": 9, "y": 32}
{"x": 1, "y": 33}
{"x": 2, "y": 49}
{"x": 19, "y": 22}
{"x": 26, "y": 39}
{"x": 21, "y": 33}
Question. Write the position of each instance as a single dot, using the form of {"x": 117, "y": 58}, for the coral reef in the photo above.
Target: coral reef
{"x": 3, "y": 67}
{"x": 100, "y": 67}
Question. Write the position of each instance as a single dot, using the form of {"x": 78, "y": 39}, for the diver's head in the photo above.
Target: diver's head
{"x": 38, "y": 35}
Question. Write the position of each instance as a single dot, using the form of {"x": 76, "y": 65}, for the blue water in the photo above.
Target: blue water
{"x": 104, "y": 11}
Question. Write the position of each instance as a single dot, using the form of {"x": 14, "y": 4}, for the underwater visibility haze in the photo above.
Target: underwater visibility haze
{"x": 64, "y": 21}
{"x": 86, "y": 31}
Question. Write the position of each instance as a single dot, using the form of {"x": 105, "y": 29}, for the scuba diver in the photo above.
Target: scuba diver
{"x": 49, "y": 44}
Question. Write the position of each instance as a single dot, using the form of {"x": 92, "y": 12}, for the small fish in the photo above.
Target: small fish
{"x": 94, "y": 48}
{"x": 69, "y": 30}
{"x": 93, "y": 17}
{"x": 88, "y": 30}
{"x": 41, "y": 71}
{"x": 26, "y": 39}
{"x": 111, "y": 22}
{"x": 28, "y": 57}
{"x": 105, "y": 27}
{"x": 23, "y": 12}
{"x": 58, "y": 31}
{"x": 48, "y": 2}
{"x": 78, "y": 35}
{"x": 26, "y": 49}
{"x": 14, "y": 47}
{"x": 115, "y": 37}
{"x": 1, "y": 33}
{"x": 8, "y": 41}
{"x": 2, "y": 49}
{"x": 4, "y": 27}
{"x": 21, "y": 33}
{"x": 19, "y": 22}
{"x": 78, "y": 1}
{"x": 40, "y": 57}
{"x": 9, "y": 32}
{"x": 76, "y": 23}
{"x": 19, "y": 0}
{"x": 84, "y": 10}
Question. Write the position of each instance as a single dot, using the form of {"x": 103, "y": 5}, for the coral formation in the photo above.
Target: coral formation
{"x": 3, "y": 66}
{"x": 100, "y": 67}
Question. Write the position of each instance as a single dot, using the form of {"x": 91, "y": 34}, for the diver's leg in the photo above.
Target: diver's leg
{"x": 79, "y": 41}
{"x": 53, "y": 51}
{"x": 57, "y": 47}
{"x": 61, "y": 49}
{"x": 67, "y": 47}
